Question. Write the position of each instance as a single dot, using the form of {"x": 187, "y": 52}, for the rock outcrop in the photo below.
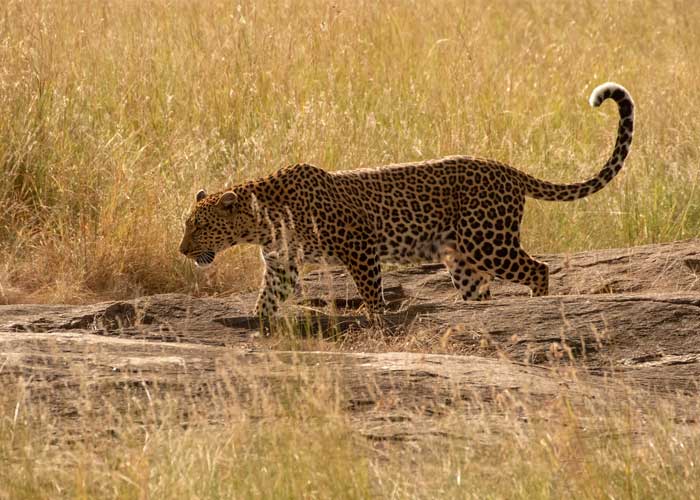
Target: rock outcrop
{"x": 628, "y": 314}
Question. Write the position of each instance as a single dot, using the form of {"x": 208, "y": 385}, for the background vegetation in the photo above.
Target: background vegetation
{"x": 115, "y": 113}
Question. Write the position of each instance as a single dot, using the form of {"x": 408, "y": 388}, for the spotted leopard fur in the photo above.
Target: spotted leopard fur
{"x": 461, "y": 210}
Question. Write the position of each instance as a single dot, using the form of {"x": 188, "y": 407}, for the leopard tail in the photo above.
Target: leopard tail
{"x": 543, "y": 190}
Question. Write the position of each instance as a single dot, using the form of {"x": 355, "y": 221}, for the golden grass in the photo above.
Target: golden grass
{"x": 115, "y": 113}
{"x": 238, "y": 438}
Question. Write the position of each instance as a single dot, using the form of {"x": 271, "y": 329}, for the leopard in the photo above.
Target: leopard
{"x": 462, "y": 211}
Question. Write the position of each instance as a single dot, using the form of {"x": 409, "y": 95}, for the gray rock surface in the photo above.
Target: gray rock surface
{"x": 628, "y": 314}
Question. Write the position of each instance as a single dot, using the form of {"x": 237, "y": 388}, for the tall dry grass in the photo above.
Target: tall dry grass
{"x": 295, "y": 439}
{"x": 114, "y": 113}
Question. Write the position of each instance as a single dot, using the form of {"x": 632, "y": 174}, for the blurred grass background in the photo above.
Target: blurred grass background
{"x": 113, "y": 114}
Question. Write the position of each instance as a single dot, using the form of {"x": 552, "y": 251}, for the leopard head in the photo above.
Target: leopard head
{"x": 217, "y": 222}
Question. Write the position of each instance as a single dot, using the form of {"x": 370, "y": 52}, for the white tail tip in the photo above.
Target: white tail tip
{"x": 604, "y": 91}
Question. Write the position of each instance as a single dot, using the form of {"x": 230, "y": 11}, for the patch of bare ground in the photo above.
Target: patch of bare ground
{"x": 616, "y": 319}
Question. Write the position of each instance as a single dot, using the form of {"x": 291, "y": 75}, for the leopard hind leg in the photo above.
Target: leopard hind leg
{"x": 471, "y": 283}
{"x": 519, "y": 267}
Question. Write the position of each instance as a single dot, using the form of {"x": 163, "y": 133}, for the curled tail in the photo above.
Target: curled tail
{"x": 536, "y": 188}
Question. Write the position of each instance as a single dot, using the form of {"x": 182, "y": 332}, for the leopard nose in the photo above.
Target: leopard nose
{"x": 183, "y": 248}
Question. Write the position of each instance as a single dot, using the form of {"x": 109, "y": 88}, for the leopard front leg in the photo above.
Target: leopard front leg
{"x": 278, "y": 283}
{"x": 365, "y": 269}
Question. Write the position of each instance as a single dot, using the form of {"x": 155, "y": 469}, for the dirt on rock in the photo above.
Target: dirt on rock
{"x": 624, "y": 314}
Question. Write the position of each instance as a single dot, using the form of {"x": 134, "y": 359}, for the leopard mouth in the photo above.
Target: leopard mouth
{"x": 204, "y": 259}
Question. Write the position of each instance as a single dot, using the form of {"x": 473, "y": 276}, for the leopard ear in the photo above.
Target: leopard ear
{"x": 227, "y": 199}
{"x": 201, "y": 194}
